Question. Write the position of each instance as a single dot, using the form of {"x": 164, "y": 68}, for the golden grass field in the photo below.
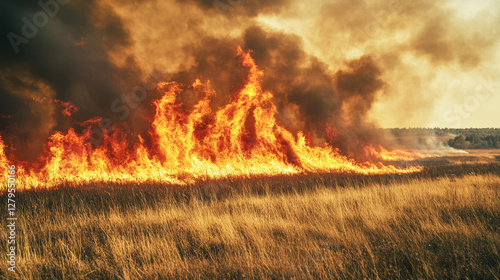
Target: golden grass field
{"x": 443, "y": 223}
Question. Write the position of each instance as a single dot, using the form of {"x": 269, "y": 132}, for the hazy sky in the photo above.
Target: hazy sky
{"x": 423, "y": 49}
{"x": 439, "y": 60}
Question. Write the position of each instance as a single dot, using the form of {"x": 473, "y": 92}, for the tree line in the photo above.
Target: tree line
{"x": 423, "y": 131}
{"x": 475, "y": 142}
{"x": 463, "y": 138}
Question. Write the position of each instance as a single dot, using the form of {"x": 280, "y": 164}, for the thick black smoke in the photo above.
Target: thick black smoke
{"x": 330, "y": 106}
{"x": 81, "y": 53}
{"x": 59, "y": 51}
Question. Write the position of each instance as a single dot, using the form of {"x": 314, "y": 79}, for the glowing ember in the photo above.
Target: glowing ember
{"x": 3, "y": 162}
{"x": 68, "y": 108}
{"x": 240, "y": 139}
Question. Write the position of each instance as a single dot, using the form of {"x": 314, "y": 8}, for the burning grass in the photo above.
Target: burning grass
{"x": 426, "y": 225}
{"x": 240, "y": 139}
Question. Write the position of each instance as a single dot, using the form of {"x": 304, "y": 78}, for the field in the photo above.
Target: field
{"x": 442, "y": 223}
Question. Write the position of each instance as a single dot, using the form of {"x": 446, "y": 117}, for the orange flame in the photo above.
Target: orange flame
{"x": 3, "y": 163}
{"x": 68, "y": 108}
{"x": 240, "y": 139}
{"x": 380, "y": 153}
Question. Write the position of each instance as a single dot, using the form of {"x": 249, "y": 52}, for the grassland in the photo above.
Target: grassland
{"x": 443, "y": 223}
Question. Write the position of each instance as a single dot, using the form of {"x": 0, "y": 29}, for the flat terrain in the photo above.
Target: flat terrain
{"x": 442, "y": 223}
{"x": 453, "y": 156}
{"x": 474, "y": 155}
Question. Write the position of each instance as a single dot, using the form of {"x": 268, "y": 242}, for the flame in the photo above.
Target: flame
{"x": 68, "y": 108}
{"x": 3, "y": 163}
{"x": 241, "y": 139}
{"x": 380, "y": 153}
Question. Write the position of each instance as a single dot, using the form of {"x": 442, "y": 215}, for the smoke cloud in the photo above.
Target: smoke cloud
{"x": 337, "y": 69}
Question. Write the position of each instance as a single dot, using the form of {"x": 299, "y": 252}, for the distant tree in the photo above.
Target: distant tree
{"x": 474, "y": 141}
{"x": 458, "y": 142}
{"x": 468, "y": 138}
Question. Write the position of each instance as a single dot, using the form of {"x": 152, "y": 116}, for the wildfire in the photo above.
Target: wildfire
{"x": 68, "y": 108}
{"x": 3, "y": 161}
{"x": 380, "y": 153}
{"x": 240, "y": 139}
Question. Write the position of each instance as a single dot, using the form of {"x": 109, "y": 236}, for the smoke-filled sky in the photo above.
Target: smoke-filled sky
{"x": 439, "y": 59}
{"x": 357, "y": 64}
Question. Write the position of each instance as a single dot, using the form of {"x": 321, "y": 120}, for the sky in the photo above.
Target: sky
{"x": 355, "y": 64}
{"x": 434, "y": 83}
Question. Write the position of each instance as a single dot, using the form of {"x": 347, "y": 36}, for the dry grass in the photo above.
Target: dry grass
{"x": 425, "y": 228}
